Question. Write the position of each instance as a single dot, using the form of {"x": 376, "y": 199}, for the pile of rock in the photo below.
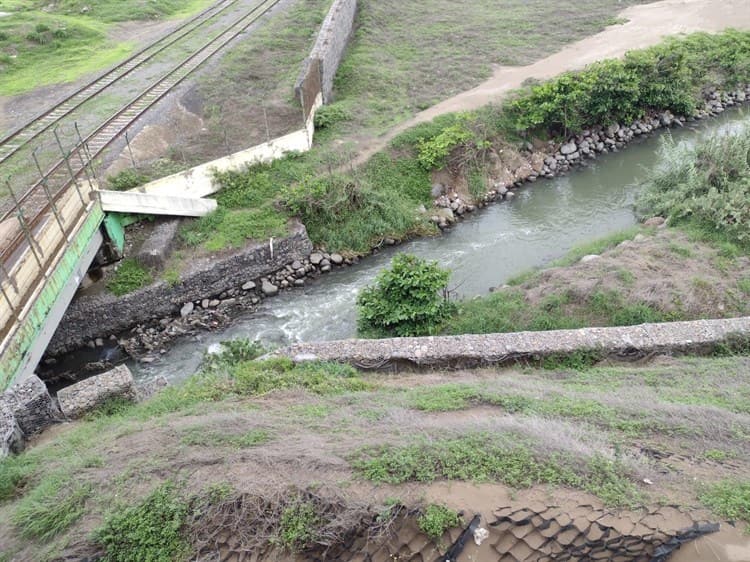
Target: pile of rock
{"x": 448, "y": 208}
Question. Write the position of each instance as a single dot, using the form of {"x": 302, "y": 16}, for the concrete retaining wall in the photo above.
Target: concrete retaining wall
{"x": 329, "y": 47}
{"x": 90, "y": 317}
{"x": 199, "y": 181}
{"x": 486, "y": 349}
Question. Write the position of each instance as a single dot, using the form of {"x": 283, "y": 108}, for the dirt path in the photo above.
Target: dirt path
{"x": 647, "y": 25}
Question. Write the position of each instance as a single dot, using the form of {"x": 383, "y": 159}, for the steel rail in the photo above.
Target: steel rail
{"x": 62, "y": 175}
{"x": 22, "y": 136}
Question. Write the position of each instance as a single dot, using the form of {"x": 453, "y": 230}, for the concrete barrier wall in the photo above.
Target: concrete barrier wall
{"x": 208, "y": 276}
{"x": 329, "y": 47}
{"x": 199, "y": 181}
{"x": 489, "y": 349}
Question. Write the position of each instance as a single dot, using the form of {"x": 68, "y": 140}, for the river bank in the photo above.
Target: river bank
{"x": 246, "y": 296}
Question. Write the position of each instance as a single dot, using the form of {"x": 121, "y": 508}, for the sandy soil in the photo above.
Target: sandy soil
{"x": 647, "y": 25}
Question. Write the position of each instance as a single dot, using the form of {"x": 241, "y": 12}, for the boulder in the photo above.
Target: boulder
{"x": 337, "y": 259}
{"x": 31, "y": 405}
{"x": 85, "y": 396}
{"x": 316, "y": 258}
{"x": 186, "y": 309}
{"x": 590, "y": 257}
{"x": 249, "y": 286}
{"x": 654, "y": 222}
{"x": 568, "y": 148}
{"x": 268, "y": 288}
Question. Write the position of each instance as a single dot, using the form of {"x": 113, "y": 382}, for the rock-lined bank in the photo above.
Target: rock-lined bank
{"x": 205, "y": 298}
{"x": 557, "y": 158}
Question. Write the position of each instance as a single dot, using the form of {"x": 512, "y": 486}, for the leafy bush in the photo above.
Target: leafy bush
{"x": 437, "y": 519}
{"x": 150, "y": 531}
{"x": 409, "y": 299}
{"x": 232, "y": 353}
{"x": 298, "y": 525}
{"x": 126, "y": 179}
{"x": 129, "y": 276}
{"x": 328, "y": 115}
{"x": 356, "y": 215}
{"x": 707, "y": 184}
{"x": 667, "y": 76}
{"x": 433, "y": 153}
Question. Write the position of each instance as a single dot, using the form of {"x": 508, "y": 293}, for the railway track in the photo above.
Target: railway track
{"x": 37, "y": 203}
{"x": 21, "y": 137}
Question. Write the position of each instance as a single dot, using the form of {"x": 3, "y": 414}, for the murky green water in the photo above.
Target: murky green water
{"x": 543, "y": 222}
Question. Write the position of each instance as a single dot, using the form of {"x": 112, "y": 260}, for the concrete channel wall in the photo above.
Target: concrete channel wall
{"x": 329, "y": 48}
{"x": 493, "y": 349}
{"x": 90, "y": 317}
{"x": 314, "y": 87}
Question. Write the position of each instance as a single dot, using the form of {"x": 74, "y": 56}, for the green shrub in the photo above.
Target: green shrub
{"x": 666, "y": 76}
{"x": 328, "y": 115}
{"x": 126, "y": 179}
{"x": 298, "y": 525}
{"x": 129, "y": 277}
{"x": 434, "y": 152}
{"x": 437, "y": 519}
{"x": 344, "y": 214}
{"x": 409, "y": 299}
{"x": 150, "y": 531}
{"x": 707, "y": 184}
{"x": 232, "y": 353}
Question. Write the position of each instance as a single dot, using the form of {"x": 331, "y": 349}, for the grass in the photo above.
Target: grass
{"x": 452, "y": 397}
{"x": 43, "y": 44}
{"x": 598, "y": 246}
{"x": 578, "y": 428}
{"x": 130, "y": 276}
{"x": 729, "y": 499}
{"x": 436, "y": 519}
{"x": 202, "y": 436}
{"x": 405, "y": 58}
{"x": 509, "y": 311}
{"x": 51, "y": 507}
{"x": 482, "y": 458}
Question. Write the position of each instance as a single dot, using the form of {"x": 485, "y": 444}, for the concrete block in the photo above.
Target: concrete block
{"x": 150, "y": 204}
{"x": 85, "y": 396}
{"x": 155, "y": 250}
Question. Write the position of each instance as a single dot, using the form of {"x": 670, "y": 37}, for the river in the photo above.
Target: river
{"x": 542, "y": 223}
